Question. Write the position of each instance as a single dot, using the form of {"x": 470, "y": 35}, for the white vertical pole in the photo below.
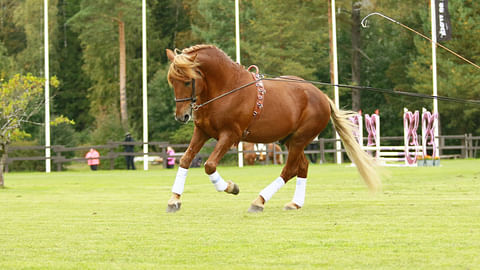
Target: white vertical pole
{"x": 338, "y": 145}
{"x": 434, "y": 67}
{"x": 405, "y": 135}
{"x": 47, "y": 90}
{"x": 144, "y": 83}
{"x": 237, "y": 40}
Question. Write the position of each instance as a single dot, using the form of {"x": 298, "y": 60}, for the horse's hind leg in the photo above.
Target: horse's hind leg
{"x": 299, "y": 195}
{"x": 295, "y": 155}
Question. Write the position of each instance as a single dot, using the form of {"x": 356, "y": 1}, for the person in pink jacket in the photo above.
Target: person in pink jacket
{"x": 171, "y": 158}
{"x": 93, "y": 159}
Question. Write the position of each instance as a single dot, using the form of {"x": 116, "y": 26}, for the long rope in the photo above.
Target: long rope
{"x": 367, "y": 88}
{"x": 364, "y": 24}
{"x": 374, "y": 89}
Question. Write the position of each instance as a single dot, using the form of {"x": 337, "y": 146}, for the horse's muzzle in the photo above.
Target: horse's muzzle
{"x": 183, "y": 118}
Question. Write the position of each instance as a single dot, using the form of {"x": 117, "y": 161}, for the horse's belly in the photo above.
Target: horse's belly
{"x": 272, "y": 130}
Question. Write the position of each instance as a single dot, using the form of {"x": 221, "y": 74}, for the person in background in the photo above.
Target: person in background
{"x": 129, "y": 148}
{"x": 171, "y": 158}
{"x": 93, "y": 159}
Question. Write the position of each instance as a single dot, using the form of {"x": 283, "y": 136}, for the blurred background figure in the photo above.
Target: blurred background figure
{"x": 130, "y": 149}
{"x": 171, "y": 158}
{"x": 93, "y": 159}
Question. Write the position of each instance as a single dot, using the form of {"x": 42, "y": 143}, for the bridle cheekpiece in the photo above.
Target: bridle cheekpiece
{"x": 192, "y": 99}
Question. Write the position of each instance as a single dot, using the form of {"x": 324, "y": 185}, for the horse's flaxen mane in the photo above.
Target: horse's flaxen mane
{"x": 184, "y": 64}
{"x": 195, "y": 48}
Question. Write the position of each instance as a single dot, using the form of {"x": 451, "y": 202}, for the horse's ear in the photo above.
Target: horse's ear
{"x": 170, "y": 54}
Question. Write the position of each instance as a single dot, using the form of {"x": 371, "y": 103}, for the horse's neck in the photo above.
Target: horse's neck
{"x": 223, "y": 75}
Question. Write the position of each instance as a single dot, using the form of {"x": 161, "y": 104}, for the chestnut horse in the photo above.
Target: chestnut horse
{"x": 251, "y": 154}
{"x": 230, "y": 104}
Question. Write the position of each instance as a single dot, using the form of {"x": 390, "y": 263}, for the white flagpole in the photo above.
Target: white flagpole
{"x": 47, "y": 90}
{"x": 338, "y": 145}
{"x": 144, "y": 83}
{"x": 237, "y": 40}
{"x": 434, "y": 66}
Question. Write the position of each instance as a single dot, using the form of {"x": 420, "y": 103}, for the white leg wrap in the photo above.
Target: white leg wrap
{"x": 218, "y": 182}
{"x": 299, "y": 195}
{"x": 271, "y": 189}
{"x": 180, "y": 181}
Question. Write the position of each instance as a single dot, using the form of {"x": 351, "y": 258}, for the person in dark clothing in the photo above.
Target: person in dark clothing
{"x": 129, "y": 149}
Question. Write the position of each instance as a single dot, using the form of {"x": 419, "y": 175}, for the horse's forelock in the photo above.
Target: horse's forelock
{"x": 182, "y": 68}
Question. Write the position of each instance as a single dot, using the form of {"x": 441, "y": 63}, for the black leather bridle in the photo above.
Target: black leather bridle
{"x": 193, "y": 98}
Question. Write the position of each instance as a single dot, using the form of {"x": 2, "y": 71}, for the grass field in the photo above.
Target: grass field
{"x": 425, "y": 218}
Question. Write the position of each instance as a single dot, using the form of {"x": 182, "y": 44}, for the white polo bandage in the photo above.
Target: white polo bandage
{"x": 271, "y": 189}
{"x": 218, "y": 182}
{"x": 299, "y": 195}
{"x": 179, "y": 183}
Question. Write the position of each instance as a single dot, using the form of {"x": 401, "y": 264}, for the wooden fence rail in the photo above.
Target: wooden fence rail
{"x": 451, "y": 146}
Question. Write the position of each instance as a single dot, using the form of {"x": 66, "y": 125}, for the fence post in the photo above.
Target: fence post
{"x": 58, "y": 157}
{"x": 164, "y": 156}
{"x": 111, "y": 156}
{"x": 470, "y": 145}
{"x": 322, "y": 150}
{"x": 465, "y": 146}
{"x": 441, "y": 146}
{"x": 475, "y": 147}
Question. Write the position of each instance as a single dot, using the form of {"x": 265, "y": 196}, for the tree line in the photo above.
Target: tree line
{"x": 96, "y": 54}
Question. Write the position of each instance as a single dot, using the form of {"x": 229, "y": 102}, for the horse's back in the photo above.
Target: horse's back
{"x": 292, "y": 107}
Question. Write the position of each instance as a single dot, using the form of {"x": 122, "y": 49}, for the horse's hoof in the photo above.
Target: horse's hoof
{"x": 173, "y": 207}
{"x": 291, "y": 206}
{"x": 255, "y": 208}
{"x": 232, "y": 188}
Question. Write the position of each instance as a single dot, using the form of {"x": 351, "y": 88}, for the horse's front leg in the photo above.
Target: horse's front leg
{"x": 196, "y": 143}
{"x": 224, "y": 143}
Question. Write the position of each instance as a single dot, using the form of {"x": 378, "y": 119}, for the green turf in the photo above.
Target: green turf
{"x": 426, "y": 218}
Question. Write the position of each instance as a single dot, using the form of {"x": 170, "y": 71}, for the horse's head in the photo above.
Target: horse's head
{"x": 187, "y": 81}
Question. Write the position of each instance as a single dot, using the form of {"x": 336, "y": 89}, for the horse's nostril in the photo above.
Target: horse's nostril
{"x": 186, "y": 118}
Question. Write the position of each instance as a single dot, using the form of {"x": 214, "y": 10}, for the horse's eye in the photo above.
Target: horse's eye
{"x": 187, "y": 83}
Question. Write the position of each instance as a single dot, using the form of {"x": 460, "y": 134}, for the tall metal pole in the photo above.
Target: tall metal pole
{"x": 144, "y": 83}
{"x": 334, "y": 70}
{"x": 434, "y": 68}
{"x": 47, "y": 89}
{"x": 237, "y": 40}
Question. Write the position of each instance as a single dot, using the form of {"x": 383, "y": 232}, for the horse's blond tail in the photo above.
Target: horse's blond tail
{"x": 363, "y": 162}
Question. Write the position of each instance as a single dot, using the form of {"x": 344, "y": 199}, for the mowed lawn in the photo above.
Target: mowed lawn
{"x": 425, "y": 218}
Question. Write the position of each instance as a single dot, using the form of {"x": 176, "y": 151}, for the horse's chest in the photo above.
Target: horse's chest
{"x": 207, "y": 126}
